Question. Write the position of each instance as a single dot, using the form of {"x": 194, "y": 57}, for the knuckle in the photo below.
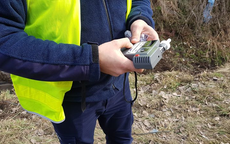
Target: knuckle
{"x": 115, "y": 42}
{"x": 119, "y": 72}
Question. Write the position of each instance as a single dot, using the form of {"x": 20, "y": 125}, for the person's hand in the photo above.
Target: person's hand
{"x": 138, "y": 27}
{"x": 111, "y": 59}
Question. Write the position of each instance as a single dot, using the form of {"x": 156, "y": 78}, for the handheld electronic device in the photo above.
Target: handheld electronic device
{"x": 146, "y": 54}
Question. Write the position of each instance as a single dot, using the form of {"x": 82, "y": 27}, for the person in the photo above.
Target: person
{"x": 75, "y": 47}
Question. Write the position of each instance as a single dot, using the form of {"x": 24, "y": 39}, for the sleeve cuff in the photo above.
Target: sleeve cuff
{"x": 95, "y": 56}
{"x": 132, "y": 19}
{"x": 95, "y": 67}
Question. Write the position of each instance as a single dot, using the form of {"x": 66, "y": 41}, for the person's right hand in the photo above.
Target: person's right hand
{"x": 111, "y": 59}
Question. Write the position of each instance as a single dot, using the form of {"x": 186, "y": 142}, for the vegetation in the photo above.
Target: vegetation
{"x": 185, "y": 99}
{"x": 195, "y": 44}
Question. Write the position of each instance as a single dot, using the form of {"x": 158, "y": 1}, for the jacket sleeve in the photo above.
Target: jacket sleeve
{"x": 141, "y": 9}
{"x": 33, "y": 58}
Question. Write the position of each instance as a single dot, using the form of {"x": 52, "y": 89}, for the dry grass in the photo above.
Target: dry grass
{"x": 19, "y": 127}
{"x": 172, "y": 107}
{"x": 185, "y": 104}
{"x": 194, "y": 42}
{"x": 183, "y": 108}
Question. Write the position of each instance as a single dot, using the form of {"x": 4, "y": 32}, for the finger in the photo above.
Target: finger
{"x": 129, "y": 66}
{"x": 153, "y": 35}
{"x": 139, "y": 70}
{"x": 136, "y": 32}
{"x": 123, "y": 43}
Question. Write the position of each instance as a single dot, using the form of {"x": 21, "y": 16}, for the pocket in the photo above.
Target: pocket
{"x": 119, "y": 82}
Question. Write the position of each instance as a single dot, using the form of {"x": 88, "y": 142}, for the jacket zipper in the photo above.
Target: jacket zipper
{"x": 109, "y": 21}
{"x": 111, "y": 33}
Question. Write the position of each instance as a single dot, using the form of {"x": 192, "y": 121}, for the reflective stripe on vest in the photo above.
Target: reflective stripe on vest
{"x": 41, "y": 97}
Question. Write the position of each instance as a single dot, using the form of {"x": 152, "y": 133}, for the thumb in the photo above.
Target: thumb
{"x": 124, "y": 43}
{"x": 135, "y": 36}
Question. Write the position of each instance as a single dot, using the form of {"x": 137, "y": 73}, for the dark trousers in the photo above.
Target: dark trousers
{"x": 114, "y": 116}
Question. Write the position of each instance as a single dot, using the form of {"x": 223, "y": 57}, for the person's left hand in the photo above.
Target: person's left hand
{"x": 138, "y": 27}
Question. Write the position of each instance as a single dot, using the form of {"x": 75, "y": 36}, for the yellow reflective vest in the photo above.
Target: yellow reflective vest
{"x": 42, "y": 97}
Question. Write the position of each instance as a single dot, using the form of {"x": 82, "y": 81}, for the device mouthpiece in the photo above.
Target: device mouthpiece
{"x": 165, "y": 44}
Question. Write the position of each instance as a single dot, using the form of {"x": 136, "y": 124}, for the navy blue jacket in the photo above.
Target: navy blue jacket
{"x": 101, "y": 20}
